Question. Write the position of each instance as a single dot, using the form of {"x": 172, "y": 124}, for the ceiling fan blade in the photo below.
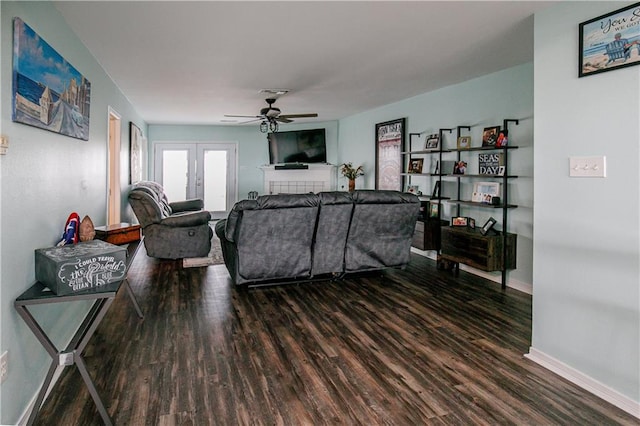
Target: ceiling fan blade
{"x": 251, "y": 121}
{"x": 244, "y": 116}
{"x": 298, "y": 115}
{"x": 282, "y": 119}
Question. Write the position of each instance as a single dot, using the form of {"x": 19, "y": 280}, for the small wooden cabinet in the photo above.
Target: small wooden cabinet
{"x": 427, "y": 234}
{"x": 485, "y": 252}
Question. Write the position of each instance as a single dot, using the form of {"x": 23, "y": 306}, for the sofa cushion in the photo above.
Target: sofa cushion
{"x": 331, "y": 232}
{"x": 381, "y": 230}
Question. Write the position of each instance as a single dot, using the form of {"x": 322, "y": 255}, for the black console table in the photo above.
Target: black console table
{"x": 102, "y": 296}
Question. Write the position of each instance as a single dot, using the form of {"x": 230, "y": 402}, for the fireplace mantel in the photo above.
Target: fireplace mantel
{"x": 315, "y": 178}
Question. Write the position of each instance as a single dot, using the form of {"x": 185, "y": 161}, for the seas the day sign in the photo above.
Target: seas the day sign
{"x": 491, "y": 164}
{"x": 48, "y": 92}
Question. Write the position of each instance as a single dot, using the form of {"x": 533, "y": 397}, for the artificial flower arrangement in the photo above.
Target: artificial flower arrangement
{"x": 350, "y": 172}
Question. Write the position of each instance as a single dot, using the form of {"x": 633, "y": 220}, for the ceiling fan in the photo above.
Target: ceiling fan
{"x": 271, "y": 116}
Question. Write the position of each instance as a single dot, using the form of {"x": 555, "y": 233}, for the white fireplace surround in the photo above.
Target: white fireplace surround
{"x": 317, "y": 178}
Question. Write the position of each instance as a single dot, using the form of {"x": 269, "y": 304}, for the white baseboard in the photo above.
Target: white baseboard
{"x": 511, "y": 283}
{"x": 585, "y": 382}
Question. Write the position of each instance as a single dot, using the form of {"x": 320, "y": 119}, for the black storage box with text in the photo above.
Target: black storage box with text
{"x": 79, "y": 267}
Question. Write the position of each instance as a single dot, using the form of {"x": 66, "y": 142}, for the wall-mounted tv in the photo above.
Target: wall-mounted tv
{"x": 298, "y": 146}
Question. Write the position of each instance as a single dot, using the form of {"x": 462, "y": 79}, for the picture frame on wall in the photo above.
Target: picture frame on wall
{"x": 390, "y": 142}
{"x": 434, "y": 209}
{"x": 135, "y": 153}
{"x": 48, "y": 92}
{"x": 436, "y": 190}
{"x": 490, "y": 136}
{"x": 413, "y": 189}
{"x": 464, "y": 142}
{"x": 609, "y": 42}
{"x": 483, "y": 192}
{"x": 415, "y": 165}
{"x": 487, "y": 226}
{"x": 432, "y": 141}
{"x": 460, "y": 221}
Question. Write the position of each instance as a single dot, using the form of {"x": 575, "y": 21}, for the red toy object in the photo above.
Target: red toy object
{"x": 70, "y": 234}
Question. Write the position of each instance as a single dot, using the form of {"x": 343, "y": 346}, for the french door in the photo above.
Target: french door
{"x": 198, "y": 170}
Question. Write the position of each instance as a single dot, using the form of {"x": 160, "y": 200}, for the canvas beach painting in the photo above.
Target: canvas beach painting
{"x": 610, "y": 41}
{"x": 48, "y": 92}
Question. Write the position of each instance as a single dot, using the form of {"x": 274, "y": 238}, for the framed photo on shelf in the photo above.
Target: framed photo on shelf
{"x": 389, "y": 145}
{"x": 483, "y": 192}
{"x": 502, "y": 138}
{"x": 434, "y": 209}
{"x": 609, "y": 42}
{"x": 432, "y": 141}
{"x": 472, "y": 223}
{"x": 490, "y": 136}
{"x": 415, "y": 165}
{"x": 436, "y": 190}
{"x": 460, "y": 167}
{"x": 487, "y": 226}
{"x": 464, "y": 142}
{"x": 460, "y": 221}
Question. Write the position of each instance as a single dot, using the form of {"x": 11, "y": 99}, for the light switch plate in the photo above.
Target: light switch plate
{"x": 4, "y": 144}
{"x": 588, "y": 166}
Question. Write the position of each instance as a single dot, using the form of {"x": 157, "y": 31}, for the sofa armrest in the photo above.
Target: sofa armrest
{"x": 193, "y": 204}
{"x": 187, "y": 219}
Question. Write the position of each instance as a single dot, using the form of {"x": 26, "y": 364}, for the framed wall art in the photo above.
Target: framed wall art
{"x": 490, "y": 135}
{"x": 483, "y": 192}
{"x": 464, "y": 142}
{"x": 432, "y": 141}
{"x": 135, "y": 153}
{"x": 610, "y": 41}
{"x": 487, "y": 226}
{"x": 389, "y": 146}
{"x": 415, "y": 165}
{"x": 48, "y": 92}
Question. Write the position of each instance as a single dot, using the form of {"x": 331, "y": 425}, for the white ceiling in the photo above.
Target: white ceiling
{"x": 183, "y": 62}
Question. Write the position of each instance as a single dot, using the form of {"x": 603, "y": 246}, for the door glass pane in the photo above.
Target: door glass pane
{"x": 215, "y": 180}
{"x": 175, "y": 172}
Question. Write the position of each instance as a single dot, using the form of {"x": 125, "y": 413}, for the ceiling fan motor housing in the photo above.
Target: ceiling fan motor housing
{"x": 270, "y": 112}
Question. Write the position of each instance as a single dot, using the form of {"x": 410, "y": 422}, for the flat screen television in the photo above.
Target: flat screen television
{"x": 298, "y": 146}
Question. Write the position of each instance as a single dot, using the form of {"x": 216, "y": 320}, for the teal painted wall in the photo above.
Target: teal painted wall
{"x": 480, "y": 102}
{"x": 584, "y": 263}
{"x": 586, "y": 310}
{"x": 44, "y": 177}
{"x": 253, "y": 150}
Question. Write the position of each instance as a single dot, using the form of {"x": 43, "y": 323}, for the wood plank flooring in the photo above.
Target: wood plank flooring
{"x": 411, "y": 347}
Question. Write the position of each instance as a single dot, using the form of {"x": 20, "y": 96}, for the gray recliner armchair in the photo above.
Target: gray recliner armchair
{"x": 174, "y": 230}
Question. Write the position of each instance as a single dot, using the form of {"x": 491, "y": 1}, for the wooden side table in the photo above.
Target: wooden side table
{"x": 120, "y": 233}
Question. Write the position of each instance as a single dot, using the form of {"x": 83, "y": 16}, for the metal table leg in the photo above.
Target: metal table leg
{"x": 72, "y": 354}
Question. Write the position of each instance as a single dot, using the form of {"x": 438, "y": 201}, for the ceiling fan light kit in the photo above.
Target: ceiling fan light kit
{"x": 271, "y": 115}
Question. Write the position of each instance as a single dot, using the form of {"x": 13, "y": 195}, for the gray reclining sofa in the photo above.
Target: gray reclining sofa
{"x": 301, "y": 236}
{"x": 174, "y": 230}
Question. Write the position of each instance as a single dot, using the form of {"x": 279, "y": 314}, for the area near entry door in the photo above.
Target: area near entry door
{"x": 198, "y": 170}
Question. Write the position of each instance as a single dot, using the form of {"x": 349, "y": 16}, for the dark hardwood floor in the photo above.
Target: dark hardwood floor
{"x": 410, "y": 347}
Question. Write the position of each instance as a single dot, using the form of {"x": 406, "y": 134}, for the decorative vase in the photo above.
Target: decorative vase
{"x": 352, "y": 185}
